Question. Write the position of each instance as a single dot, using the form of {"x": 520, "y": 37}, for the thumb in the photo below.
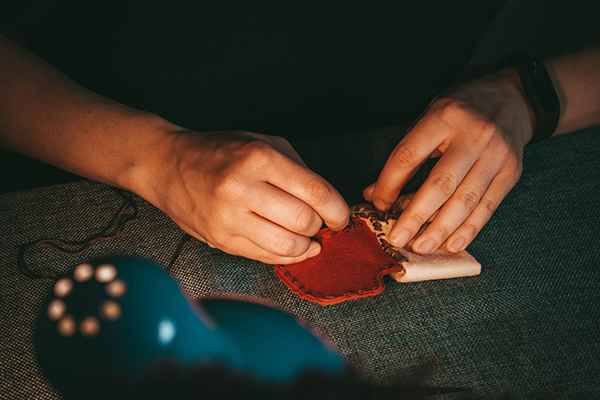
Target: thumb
{"x": 368, "y": 192}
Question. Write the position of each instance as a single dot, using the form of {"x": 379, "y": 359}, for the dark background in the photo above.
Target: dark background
{"x": 349, "y": 69}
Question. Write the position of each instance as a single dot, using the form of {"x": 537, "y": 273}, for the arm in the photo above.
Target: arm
{"x": 480, "y": 129}
{"x": 576, "y": 78}
{"x": 244, "y": 193}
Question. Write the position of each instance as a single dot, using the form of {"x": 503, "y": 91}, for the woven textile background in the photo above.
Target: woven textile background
{"x": 526, "y": 328}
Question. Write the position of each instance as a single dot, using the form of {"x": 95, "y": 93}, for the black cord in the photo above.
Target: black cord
{"x": 113, "y": 229}
{"x": 184, "y": 240}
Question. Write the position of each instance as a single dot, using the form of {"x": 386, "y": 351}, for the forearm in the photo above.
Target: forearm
{"x": 576, "y": 78}
{"x": 45, "y": 115}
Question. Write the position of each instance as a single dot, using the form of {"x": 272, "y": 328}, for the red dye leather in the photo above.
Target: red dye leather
{"x": 351, "y": 265}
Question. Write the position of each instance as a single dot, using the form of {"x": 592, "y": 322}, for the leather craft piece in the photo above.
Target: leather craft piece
{"x": 353, "y": 261}
{"x": 441, "y": 264}
{"x": 351, "y": 264}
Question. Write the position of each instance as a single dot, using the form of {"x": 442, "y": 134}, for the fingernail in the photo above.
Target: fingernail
{"x": 400, "y": 239}
{"x": 315, "y": 250}
{"x": 426, "y": 247}
{"x": 457, "y": 245}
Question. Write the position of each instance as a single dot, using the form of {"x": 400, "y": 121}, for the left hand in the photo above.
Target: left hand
{"x": 480, "y": 129}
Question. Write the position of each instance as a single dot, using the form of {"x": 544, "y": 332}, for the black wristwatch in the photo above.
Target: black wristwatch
{"x": 539, "y": 90}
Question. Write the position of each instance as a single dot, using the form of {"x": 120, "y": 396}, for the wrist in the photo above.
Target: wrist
{"x": 146, "y": 155}
{"x": 540, "y": 91}
{"x": 512, "y": 82}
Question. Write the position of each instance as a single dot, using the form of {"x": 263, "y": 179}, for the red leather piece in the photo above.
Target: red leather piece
{"x": 351, "y": 265}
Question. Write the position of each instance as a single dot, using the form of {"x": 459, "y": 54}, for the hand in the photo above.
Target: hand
{"x": 479, "y": 128}
{"x": 246, "y": 194}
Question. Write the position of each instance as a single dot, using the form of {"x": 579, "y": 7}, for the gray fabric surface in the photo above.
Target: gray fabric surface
{"x": 526, "y": 328}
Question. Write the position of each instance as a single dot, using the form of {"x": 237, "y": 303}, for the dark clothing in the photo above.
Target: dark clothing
{"x": 293, "y": 70}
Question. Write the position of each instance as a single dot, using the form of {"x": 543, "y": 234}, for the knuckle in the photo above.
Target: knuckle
{"x": 278, "y": 141}
{"x": 284, "y": 246}
{"x": 404, "y": 156}
{"x": 504, "y": 149}
{"x": 304, "y": 220}
{"x": 485, "y": 130}
{"x": 490, "y": 206}
{"x": 445, "y": 183}
{"x": 448, "y": 108}
{"x": 452, "y": 111}
{"x": 228, "y": 186}
{"x": 442, "y": 231}
{"x": 318, "y": 192}
{"x": 256, "y": 153}
{"x": 471, "y": 229}
{"x": 415, "y": 221}
{"x": 469, "y": 198}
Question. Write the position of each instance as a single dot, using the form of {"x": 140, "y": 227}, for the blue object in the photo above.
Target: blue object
{"x": 274, "y": 346}
{"x": 127, "y": 318}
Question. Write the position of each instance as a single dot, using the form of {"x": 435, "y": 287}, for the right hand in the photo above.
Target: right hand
{"x": 479, "y": 129}
{"x": 246, "y": 194}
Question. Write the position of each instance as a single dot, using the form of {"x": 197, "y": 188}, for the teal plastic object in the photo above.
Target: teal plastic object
{"x": 123, "y": 317}
{"x": 275, "y": 346}
{"x": 127, "y": 318}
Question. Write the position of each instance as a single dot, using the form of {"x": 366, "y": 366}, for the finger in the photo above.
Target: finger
{"x": 405, "y": 160}
{"x": 244, "y": 247}
{"x": 442, "y": 182}
{"x": 272, "y": 237}
{"x": 309, "y": 187}
{"x": 368, "y": 192}
{"x": 497, "y": 191}
{"x": 460, "y": 205}
{"x": 285, "y": 210}
{"x": 283, "y": 146}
